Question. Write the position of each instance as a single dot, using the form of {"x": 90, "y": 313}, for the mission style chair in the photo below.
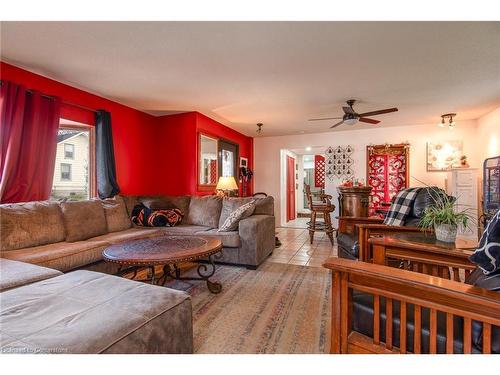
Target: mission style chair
{"x": 354, "y": 232}
{"x": 434, "y": 301}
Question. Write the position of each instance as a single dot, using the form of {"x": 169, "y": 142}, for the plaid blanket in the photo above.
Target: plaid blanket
{"x": 401, "y": 207}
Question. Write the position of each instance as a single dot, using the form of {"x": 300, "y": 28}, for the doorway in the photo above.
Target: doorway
{"x": 290, "y": 188}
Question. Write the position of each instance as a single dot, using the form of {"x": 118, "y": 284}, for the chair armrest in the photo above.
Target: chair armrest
{"x": 365, "y": 231}
{"x": 347, "y": 224}
{"x": 411, "y": 290}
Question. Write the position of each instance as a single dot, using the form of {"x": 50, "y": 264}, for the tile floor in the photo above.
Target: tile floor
{"x": 296, "y": 249}
{"x": 300, "y": 222}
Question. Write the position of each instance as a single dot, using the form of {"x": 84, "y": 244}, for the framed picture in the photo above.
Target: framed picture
{"x": 243, "y": 162}
{"x": 442, "y": 156}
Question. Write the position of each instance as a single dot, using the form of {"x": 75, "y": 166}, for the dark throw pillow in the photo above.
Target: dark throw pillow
{"x": 487, "y": 254}
{"x": 148, "y": 217}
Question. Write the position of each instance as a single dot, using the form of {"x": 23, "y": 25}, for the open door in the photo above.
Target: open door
{"x": 290, "y": 188}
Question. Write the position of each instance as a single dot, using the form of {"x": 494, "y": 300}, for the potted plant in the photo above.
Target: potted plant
{"x": 445, "y": 217}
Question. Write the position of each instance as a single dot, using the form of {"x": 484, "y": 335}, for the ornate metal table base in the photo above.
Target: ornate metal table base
{"x": 204, "y": 270}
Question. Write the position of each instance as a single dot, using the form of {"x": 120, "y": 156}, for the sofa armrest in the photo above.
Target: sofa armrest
{"x": 411, "y": 290}
{"x": 257, "y": 234}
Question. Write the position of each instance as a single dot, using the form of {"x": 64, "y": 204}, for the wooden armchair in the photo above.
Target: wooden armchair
{"x": 361, "y": 229}
{"x": 379, "y": 309}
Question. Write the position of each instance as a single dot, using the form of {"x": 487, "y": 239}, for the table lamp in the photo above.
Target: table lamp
{"x": 225, "y": 185}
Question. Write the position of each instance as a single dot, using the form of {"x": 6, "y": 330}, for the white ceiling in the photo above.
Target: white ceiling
{"x": 278, "y": 73}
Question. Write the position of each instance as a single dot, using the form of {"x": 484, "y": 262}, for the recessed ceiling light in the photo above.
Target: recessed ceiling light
{"x": 308, "y": 148}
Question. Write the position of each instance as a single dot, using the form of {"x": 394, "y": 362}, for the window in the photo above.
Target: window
{"x": 74, "y": 170}
{"x": 69, "y": 151}
{"x": 65, "y": 172}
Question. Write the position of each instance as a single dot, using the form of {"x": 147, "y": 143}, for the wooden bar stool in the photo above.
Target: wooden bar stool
{"x": 323, "y": 206}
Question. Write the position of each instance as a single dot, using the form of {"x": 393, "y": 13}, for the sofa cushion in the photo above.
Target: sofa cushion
{"x": 164, "y": 202}
{"x": 234, "y": 218}
{"x": 30, "y": 224}
{"x": 204, "y": 211}
{"x": 62, "y": 256}
{"x": 130, "y": 202}
{"x": 230, "y": 205}
{"x": 115, "y": 211}
{"x": 228, "y": 239}
{"x": 90, "y": 312}
{"x": 264, "y": 206}
{"x": 183, "y": 229}
{"x": 83, "y": 220}
{"x": 14, "y": 274}
{"x": 128, "y": 235}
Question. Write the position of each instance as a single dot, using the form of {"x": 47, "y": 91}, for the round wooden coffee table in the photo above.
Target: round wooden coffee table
{"x": 169, "y": 252}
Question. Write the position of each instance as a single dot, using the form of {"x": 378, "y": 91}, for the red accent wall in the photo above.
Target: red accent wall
{"x": 153, "y": 154}
{"x": 178, "y": 137}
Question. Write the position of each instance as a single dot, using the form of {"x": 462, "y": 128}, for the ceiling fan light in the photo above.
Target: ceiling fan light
{"x": 441, "y": 124}
{"x": 351, "y": 121}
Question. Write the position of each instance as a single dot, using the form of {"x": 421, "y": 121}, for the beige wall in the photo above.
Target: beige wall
{"x": 267, "y": 152}
{"x": 488, "y": 129}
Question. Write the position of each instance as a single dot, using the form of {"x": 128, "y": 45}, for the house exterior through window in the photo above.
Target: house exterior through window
{"x": 69, "y": 151}
{"x": 65, "y": 172}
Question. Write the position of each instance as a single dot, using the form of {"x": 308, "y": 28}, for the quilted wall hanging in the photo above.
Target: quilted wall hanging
{"x": 387, "y": 172}
{"x": 339, "y": 162}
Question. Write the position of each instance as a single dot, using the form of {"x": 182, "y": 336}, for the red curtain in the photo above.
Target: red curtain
{"x": 28, "y": 137}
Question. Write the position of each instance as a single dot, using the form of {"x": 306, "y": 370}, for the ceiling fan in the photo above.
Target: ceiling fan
{"x": 351, "y": 117}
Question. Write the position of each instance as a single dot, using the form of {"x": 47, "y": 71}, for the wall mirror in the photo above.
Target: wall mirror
{"x": 208, "y": 165}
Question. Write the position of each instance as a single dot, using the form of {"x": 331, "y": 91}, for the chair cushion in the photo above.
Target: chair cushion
{"x": 348, "y": 246}
{"x": 228, "y": 239}
{"x": 90, "y": 312}
{"x": 83, "y": 220}
{"x": 62, "y": 256}
{"x": 14, "y": 274}
{"x": 425, "y": 198}
{"x": 232, "y": 221}
{"x": 30, "y": 224}
{"x": 128, "y": 235}
{"x": 115, "y": 211}
{"x": 205, "y": 211}
{"x": 362, "y": 320}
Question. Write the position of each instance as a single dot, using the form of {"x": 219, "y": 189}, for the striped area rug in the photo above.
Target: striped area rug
{"x": 278, "y": 308}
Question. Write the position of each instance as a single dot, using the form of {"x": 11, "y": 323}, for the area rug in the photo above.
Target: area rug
{"x": 278, "y": 308}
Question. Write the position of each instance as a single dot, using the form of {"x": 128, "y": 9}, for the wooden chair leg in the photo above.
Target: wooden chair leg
{"x": 328, "y": 226}
{"x": 312, "y": 226}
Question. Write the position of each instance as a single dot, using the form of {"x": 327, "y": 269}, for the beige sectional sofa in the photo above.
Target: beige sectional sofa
{"x": 46, "y": 311}
{"x": 70, "y": 235}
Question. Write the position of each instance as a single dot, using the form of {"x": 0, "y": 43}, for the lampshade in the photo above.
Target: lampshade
{"x": 226, "y": 183}
{"x": 350, "y": 121}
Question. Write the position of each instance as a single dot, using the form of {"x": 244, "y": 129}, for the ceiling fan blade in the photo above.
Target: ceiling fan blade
{"x": 368, "y": 120}
{"x": 349, "y": 110}
{"x": 324, "y": 118}
{"x": 337, "y": 124}
{"x": 379, "y": 112}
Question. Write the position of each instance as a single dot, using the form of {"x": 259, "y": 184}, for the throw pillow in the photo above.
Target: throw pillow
{"x": 147, "y": 217}
{"x": 230, "y": 204}
{"x": 487, "y": 255}
{"x": 234, "y": 218}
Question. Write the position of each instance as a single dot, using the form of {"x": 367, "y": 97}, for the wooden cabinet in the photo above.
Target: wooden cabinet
{"x": 354, "y": 201}
{"x": 463, "y": 184}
